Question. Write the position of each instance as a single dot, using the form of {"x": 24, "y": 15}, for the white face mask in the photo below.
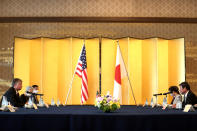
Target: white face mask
{"x": 35, "y": 91}
{"x": 27, "y": 94}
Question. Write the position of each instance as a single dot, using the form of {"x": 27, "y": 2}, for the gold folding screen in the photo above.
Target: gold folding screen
{"x": 50, "y": 63}
{"x": 152, "y": 65}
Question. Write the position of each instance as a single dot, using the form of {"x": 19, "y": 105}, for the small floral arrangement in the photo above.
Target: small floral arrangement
{"x": 107, "y": 103}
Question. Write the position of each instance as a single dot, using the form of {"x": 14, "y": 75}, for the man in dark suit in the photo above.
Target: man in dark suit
{"x": 189, "y": 96}
{"x": 12, "y": 94}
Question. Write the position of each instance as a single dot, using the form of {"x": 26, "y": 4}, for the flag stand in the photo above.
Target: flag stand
{"x": 127, "y": 73}
{"x": 73, "y": 75}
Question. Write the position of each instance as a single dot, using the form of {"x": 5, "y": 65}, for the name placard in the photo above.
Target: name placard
{"x": 164, "y": 107}
{"x": 35, "y": 107}
{"x": 1, "y": 109}
{"x": 10, "y": 108}
{"x": 188, "y": 108}
{"x": 47, "y": 106}
{"x": 154, "y": 105}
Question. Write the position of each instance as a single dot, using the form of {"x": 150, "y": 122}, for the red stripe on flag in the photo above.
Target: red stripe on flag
{"x": 85, "y": 75}
{"x": 78, "y": 74}
{"x": 79, "y": 69}
{"x": 84, "y": 96}
{"x": 85, "y": 87}
{"x": 79, "y": 64}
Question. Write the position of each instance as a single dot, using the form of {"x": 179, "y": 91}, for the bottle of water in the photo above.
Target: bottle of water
{"x": 151, "y": 103}
{"x": 165, "y": 101}
{"x": 52, "y": 102}
{"x": 179, "y": 105}
{"x": 4, "y": 102}
{"x": 30, "y": 102}
{"x": 41, "y": 102}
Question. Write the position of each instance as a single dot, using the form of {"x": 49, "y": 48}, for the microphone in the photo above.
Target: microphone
{"x": 167, "y": 93}
{"x": 34, "y": 93}
{"x": 157, "y": 94}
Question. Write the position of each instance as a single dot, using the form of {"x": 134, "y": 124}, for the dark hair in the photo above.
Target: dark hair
{"x": 14, "y": 81}
{"x": 174, "y": 88}
{"x": 34, "y": 86}
{"x": 185, "y": 85}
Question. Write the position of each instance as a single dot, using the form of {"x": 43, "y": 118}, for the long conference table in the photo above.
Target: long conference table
{"x": 89, "y": 118}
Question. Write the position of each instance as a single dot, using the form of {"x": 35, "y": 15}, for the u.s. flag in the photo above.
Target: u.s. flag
{"x": 81, "y": 71}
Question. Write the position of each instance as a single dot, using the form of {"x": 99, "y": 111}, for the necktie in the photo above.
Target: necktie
{"x": 184, "y": 101}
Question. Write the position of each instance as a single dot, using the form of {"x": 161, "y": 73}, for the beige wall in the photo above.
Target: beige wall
{"x": 137, "y": 8}
{"x": 128, "y": 8}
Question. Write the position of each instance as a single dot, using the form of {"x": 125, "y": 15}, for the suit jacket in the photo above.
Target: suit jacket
{"x": 14, "y": 98}
{"x": 35, "y": 99}
{"x": 191, "y": 99}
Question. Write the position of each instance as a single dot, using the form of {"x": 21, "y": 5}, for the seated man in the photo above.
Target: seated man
{"x": 189, "y": 96}
{"x": 12, "y": 94}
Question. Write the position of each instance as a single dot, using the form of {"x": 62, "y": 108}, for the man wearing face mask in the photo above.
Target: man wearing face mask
{"x": 35, "y": 91}
{"x": 189, "y": 96}
{"x": 12, "y": 94}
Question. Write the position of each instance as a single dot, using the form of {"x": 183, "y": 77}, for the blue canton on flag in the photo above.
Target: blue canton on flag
{"x": 83, "y": 58}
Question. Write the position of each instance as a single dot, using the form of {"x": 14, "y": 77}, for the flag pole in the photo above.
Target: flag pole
{"x": 74, "y": 74}
{"x": 127, "y": 73}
